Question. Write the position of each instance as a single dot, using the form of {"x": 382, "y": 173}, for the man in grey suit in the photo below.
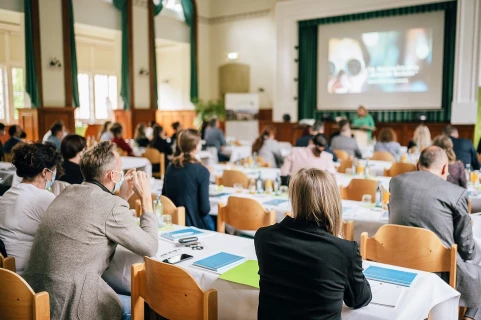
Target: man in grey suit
{"x": 345, "y": 141}
{"x": 79, "y": 233}
{"x": 425, "y": 199}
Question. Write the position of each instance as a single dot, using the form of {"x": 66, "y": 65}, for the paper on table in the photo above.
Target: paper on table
{"x": 385, "y": 294}
{"x": 245, "y": 273}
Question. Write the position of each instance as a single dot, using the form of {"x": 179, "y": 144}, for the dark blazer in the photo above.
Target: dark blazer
{"x": 306, "y": 273}
{"x": 12, "y": 142}
{"x": 304, "y": 142}
{"x": 188, "y": 186}
{"x": 163, "y": 146}
{"x": 422, "y": 199}
{"x": 1, "y": 151}
{"x": 143, "y": 142}
{"x": 72, "y": 173}
{"x": 464, "y": 150}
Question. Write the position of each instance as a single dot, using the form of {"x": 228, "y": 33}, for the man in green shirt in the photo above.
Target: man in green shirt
{"x": 364, "y": 121}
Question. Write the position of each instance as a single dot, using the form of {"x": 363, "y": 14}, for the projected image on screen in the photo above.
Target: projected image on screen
{"x": 389, "y": 61}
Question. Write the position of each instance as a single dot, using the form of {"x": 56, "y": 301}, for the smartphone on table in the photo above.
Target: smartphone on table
{"x": 177, "y": 259}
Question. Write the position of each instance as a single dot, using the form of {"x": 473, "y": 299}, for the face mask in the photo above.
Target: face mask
{"x": 118, "y": 184}
{"x": 49, "y": 184}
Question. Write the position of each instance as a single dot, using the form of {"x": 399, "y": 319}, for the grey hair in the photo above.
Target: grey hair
{"x": 98, "y": 160}
{"x": 433, "y": 156}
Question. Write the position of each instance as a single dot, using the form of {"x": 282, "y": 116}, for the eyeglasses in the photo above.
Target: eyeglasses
{"x": 352, "y": 67}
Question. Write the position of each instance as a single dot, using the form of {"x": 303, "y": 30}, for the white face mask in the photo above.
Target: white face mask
{"x": 119, "y": 183}
{"x": 49, "y": 184}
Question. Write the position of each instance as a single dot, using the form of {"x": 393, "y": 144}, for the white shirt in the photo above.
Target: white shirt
{"x": 21, "y": 209}
{"x": 46, "y": 136}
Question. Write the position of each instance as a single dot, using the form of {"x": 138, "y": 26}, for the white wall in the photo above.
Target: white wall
{"x": 51, "y": 46}
{"x": 13, "y": 5}
{"x": 97, "y": 13}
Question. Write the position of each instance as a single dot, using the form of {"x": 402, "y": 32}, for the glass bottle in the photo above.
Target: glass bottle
{"x": 159, "y": 211}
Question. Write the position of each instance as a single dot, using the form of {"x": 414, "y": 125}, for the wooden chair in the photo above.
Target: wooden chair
{"x": 357, "y": 188}
{"x": 399, "y": 168}
{"x": 244, "y": 214}
{"x": 470, "y": 206}
{"x": 262, "y": 163}
{"x": 156, "y": 157}
{"x": 8, "y": 263}
{"x": 410, "y": 247}
{"x": 383, "y": 156}
{"x": 341, "y": 154}
{"x": 170, "y": 291}
{"x": 8, "y": 157}
{"x": 177, "y": 213}
{"x": 344, "y": 165}
{"x": 347, "y": 227}
{"x": 231, "y": 177}
{"x": 18, "y": 301}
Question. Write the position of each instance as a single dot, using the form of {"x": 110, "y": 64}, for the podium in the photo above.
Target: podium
{"x": 361, "y": 136}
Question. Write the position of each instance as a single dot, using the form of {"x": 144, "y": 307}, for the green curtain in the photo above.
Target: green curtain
{"x": 73, "y": 57}
{"x": 156, "y": 11}
{"x": 31, "y": 85}
{"x": 188, "y": 6}
{"x": 125, "y": 76}
{"x": 307, "y": 100}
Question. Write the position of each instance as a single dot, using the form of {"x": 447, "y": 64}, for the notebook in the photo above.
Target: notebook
{"x": 397, "y": 277}
{"x": 219, "y": 261}
{"x": 385, "y": 294}
{"x": 246, "y": 273}
{"x": 275, "y": 202}
{"x": 183, "y": 233}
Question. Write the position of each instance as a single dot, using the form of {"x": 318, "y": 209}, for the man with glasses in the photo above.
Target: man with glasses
{"x": 80, "y": 232}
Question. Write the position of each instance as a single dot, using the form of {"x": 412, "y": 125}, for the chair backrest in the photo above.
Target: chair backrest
{"x": 8, "y": 263}
{"x": 177, "y": 213}
{"x": 262, "y": 163}
{"x": 344, "y": 165}
{"x": 231, "y": 177}
{"x": 470, "y": 206}
{"x": 410, "y": 247}
{"x": 58, "y": 186}
{"x": 155, "y": 157}
{"x": 347, "y": 227}
{"x": 170, "y": 291}
{"x": 244, "y": 214}
{"x": 357, "y": 188}
{"x": 399, "y": 168}
{"x": 18, "y": 301}
{"x": 383, "y": 156}
{"x": 341, "y": 154}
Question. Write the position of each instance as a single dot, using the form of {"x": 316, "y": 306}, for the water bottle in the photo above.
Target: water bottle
{"x": 254, "y": 159}
{"x": 354, "y": 167}
{"x": 277, "y": 183}
{"x": 159, "y": 211}
{"x": 379, "y": 195}
{"x": 260, "y": 183}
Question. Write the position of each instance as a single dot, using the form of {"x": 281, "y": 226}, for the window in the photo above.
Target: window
{"x": 2, "y": 96}
{"x": 17, "y": 91}
{"x": 12, "y": 93}
{"x": 98, "y": 96}
{"x": 174, "y": 5}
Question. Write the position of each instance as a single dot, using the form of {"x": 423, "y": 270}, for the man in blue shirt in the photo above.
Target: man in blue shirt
{"x": 14, "y": 132}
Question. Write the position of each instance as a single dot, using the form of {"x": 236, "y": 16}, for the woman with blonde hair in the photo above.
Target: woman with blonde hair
{"x": 141, "y": 136}
{"x": 306, "y": 269}
{"x": 267, "y": 147}
{"x": 186, "y": 181}
{"x": 421, "y": 138}
{"x": 457, "y": 174}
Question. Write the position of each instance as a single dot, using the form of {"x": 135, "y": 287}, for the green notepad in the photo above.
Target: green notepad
{"x": 245, "y": 273}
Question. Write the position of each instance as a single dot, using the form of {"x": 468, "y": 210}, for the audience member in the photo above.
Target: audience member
{"x": 140, "y": 136}
{"x": 286, "y": 118}
{"x": 457, "y": 174}
{"x": 364, "y": 121}
{"x": 324, "y": 269}
{"x": 23, "y": 205}
{"x": 173, "y": 140}
{"x": 106, "y": 134}
{"x": 72, "y": 148}
{"x": 57, "y": 133}
{"x": 267, "y": 147}
{"x": 14, "y": 132}
{"x": 313, "y": 156}
{"x": 345, "y": 141}
{"x": 80, "y": 232}
{"x": 149, "y": 131}
{"x": 161, "y": 143}
{"x": 425, "y": 199}
{"x": 421, "y": 138}
{"x": 2, "y": 133}
{"x": 118, "y": 133}
{"x": 317, "y": 128}
{"x": 214, "y": 137}
{"x": 463, "y": 148}
{"x": 186, "y": 181}
{"x": 387, "y": 142}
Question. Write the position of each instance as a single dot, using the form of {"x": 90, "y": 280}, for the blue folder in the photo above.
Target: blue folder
{"x": 275, "y": 202}
{"x": 397, "y": 277}
{"x": 218, "y": 261}
{"x": 182, "y": 233}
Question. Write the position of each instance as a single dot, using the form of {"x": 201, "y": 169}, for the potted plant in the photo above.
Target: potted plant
{"x": 207, "y": 110}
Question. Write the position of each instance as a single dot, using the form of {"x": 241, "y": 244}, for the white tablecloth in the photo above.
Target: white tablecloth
{"x": 237, "y": 152}
{"x": 236, "y": 301}
{"x": 142, "y": 164}
{"x": 266, "y": 173}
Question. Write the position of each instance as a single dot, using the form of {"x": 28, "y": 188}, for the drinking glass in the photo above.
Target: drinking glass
{"x": 167, "y": 221}
{"x": 349, "y": 171}
{"x": 238, "y": 187}
{"x": 366, "y": 199}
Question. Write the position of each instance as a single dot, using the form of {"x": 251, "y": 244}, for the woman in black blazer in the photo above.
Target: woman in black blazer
{"x": 162, "y": 144}
{"x": 306, "y": 269}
